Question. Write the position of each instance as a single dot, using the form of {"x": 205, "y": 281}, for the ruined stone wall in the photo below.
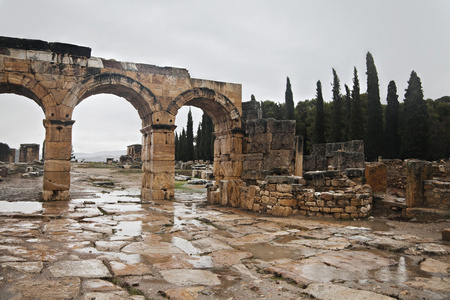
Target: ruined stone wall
{"x": 340, "y": 155}
{"x": 28, "y": 152}
{"x": 396, "y": 173}
{"x": 269, "y": 148}
{"x": 426, "y": 193}
{"x": 134, "y": 151}
{"x": 323, "y": 194}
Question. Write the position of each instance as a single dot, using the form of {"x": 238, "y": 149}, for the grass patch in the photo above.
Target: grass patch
{"x": 98, "y": 165}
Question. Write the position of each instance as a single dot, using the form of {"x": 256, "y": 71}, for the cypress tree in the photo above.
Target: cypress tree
{"x": 177, "y": 142}
{"x": 392, "y": 142}
{"x": 416, "y": 129}
{"x": 189, "y": 137}
{"x": 356, "y": 117}
{"x": 208, "y": 137}
{"x": 374, "y": 142}
{"x": 198, "y": 143}
{"x": 289, "y": 100}
{"x": 182, "y": 146}
{"x": 319, "y": 125}
{"x": 347, "y": 113}
{"x": 336, "y": 117}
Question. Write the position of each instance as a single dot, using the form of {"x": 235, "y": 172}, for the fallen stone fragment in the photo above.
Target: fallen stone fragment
{"x": 122, "y": 269}
{"x": 434, "y": 249}
{"x": 336, "y": 292}
{"x": 388, "y": 244}
{"x": 186, "y": 277}
{"x": 431, "y": 284}
{"x": 28, "y": 267}
{"x": 91, "y": 268}
{"x": 434, "y": 266}
{"x": 190, "y": 293}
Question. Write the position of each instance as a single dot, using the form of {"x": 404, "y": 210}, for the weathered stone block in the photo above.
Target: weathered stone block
{"x": 58, "y": 150}
{"x": 283, "y": 179}
{"x": 282, "y": 211}
{"x": 316, "y": 178}
{"x": 287, "y": 202}
{"x": 247, "y": 195}
{"x": 282, "y": 141}
{"x": 336, "y": 210}
{"x": 354, "y": 172}
{"x": 56, "y": 181}
{"x": 376, "y": 176}
{"x": 57, "y": 166}
{"x": 351, "y": 209}
{"x": 284, "y": 188}
{"x": 55, "y": 195}
{"x": 416, "y": 173}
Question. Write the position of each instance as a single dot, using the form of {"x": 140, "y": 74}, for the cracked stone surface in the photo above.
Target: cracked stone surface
{"x": 106, "y": 244}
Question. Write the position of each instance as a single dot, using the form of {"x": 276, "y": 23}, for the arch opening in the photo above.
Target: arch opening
{"x": 140, "y": 97}
{"x": 21, "y": 122}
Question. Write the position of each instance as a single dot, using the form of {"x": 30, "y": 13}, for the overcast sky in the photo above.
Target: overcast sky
{"x": 254, "y": 43}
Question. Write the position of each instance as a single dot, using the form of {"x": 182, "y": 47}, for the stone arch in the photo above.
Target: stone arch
{"x": 228, "y": 131}
{"x": 28, "y": 87}
{"x": 222, "y": 111}
{"x": 142, "y": 99}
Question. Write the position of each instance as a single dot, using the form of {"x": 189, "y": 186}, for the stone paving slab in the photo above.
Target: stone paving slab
{"x": 187, "y": 277}
{"x": 328, "y": 291}
{"x": 91, "y": 268}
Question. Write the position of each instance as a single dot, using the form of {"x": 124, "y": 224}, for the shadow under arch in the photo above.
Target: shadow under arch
{"x": 142, "y": 99}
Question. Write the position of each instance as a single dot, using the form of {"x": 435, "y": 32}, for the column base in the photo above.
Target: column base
{"x": 55, "y": 195}
{"x": 148, "y": 194}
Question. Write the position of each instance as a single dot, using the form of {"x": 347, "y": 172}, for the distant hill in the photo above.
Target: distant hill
{"x": 99, "y": 156}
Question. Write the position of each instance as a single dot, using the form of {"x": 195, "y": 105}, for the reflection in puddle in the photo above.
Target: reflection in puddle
{"x": 23, "y": 207}
{"x": 128, "y": 228}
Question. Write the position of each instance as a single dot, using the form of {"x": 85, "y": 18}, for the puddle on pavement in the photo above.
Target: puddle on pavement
{"x": 269, "y": 252}
{"x": 20, "y": 207}
{"x": 128, "y": 228}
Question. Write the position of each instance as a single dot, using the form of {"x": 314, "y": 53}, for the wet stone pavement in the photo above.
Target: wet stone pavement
{"x": 106, "y": 244}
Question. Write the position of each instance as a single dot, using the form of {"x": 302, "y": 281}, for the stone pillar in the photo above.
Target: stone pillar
{"x": 298, "y": 171}
{"x": 228, "y": 157}
{"x": 417, "y": 171}
{"x": 158, "y": 162}
{"x": 57, "y": 155}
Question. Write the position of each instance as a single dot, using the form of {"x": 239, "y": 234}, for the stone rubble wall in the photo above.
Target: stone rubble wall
{"x": 340, "y": 155}
{"x": 396, "y": 173}
{"x": 323, "y": 194}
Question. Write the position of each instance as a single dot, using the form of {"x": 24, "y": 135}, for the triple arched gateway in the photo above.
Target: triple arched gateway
{"x": 59, "y": 76}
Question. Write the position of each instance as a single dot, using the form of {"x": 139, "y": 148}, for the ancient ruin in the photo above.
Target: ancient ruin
{"x": 59, "y": 76}
{"x": 28, "y": 152}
